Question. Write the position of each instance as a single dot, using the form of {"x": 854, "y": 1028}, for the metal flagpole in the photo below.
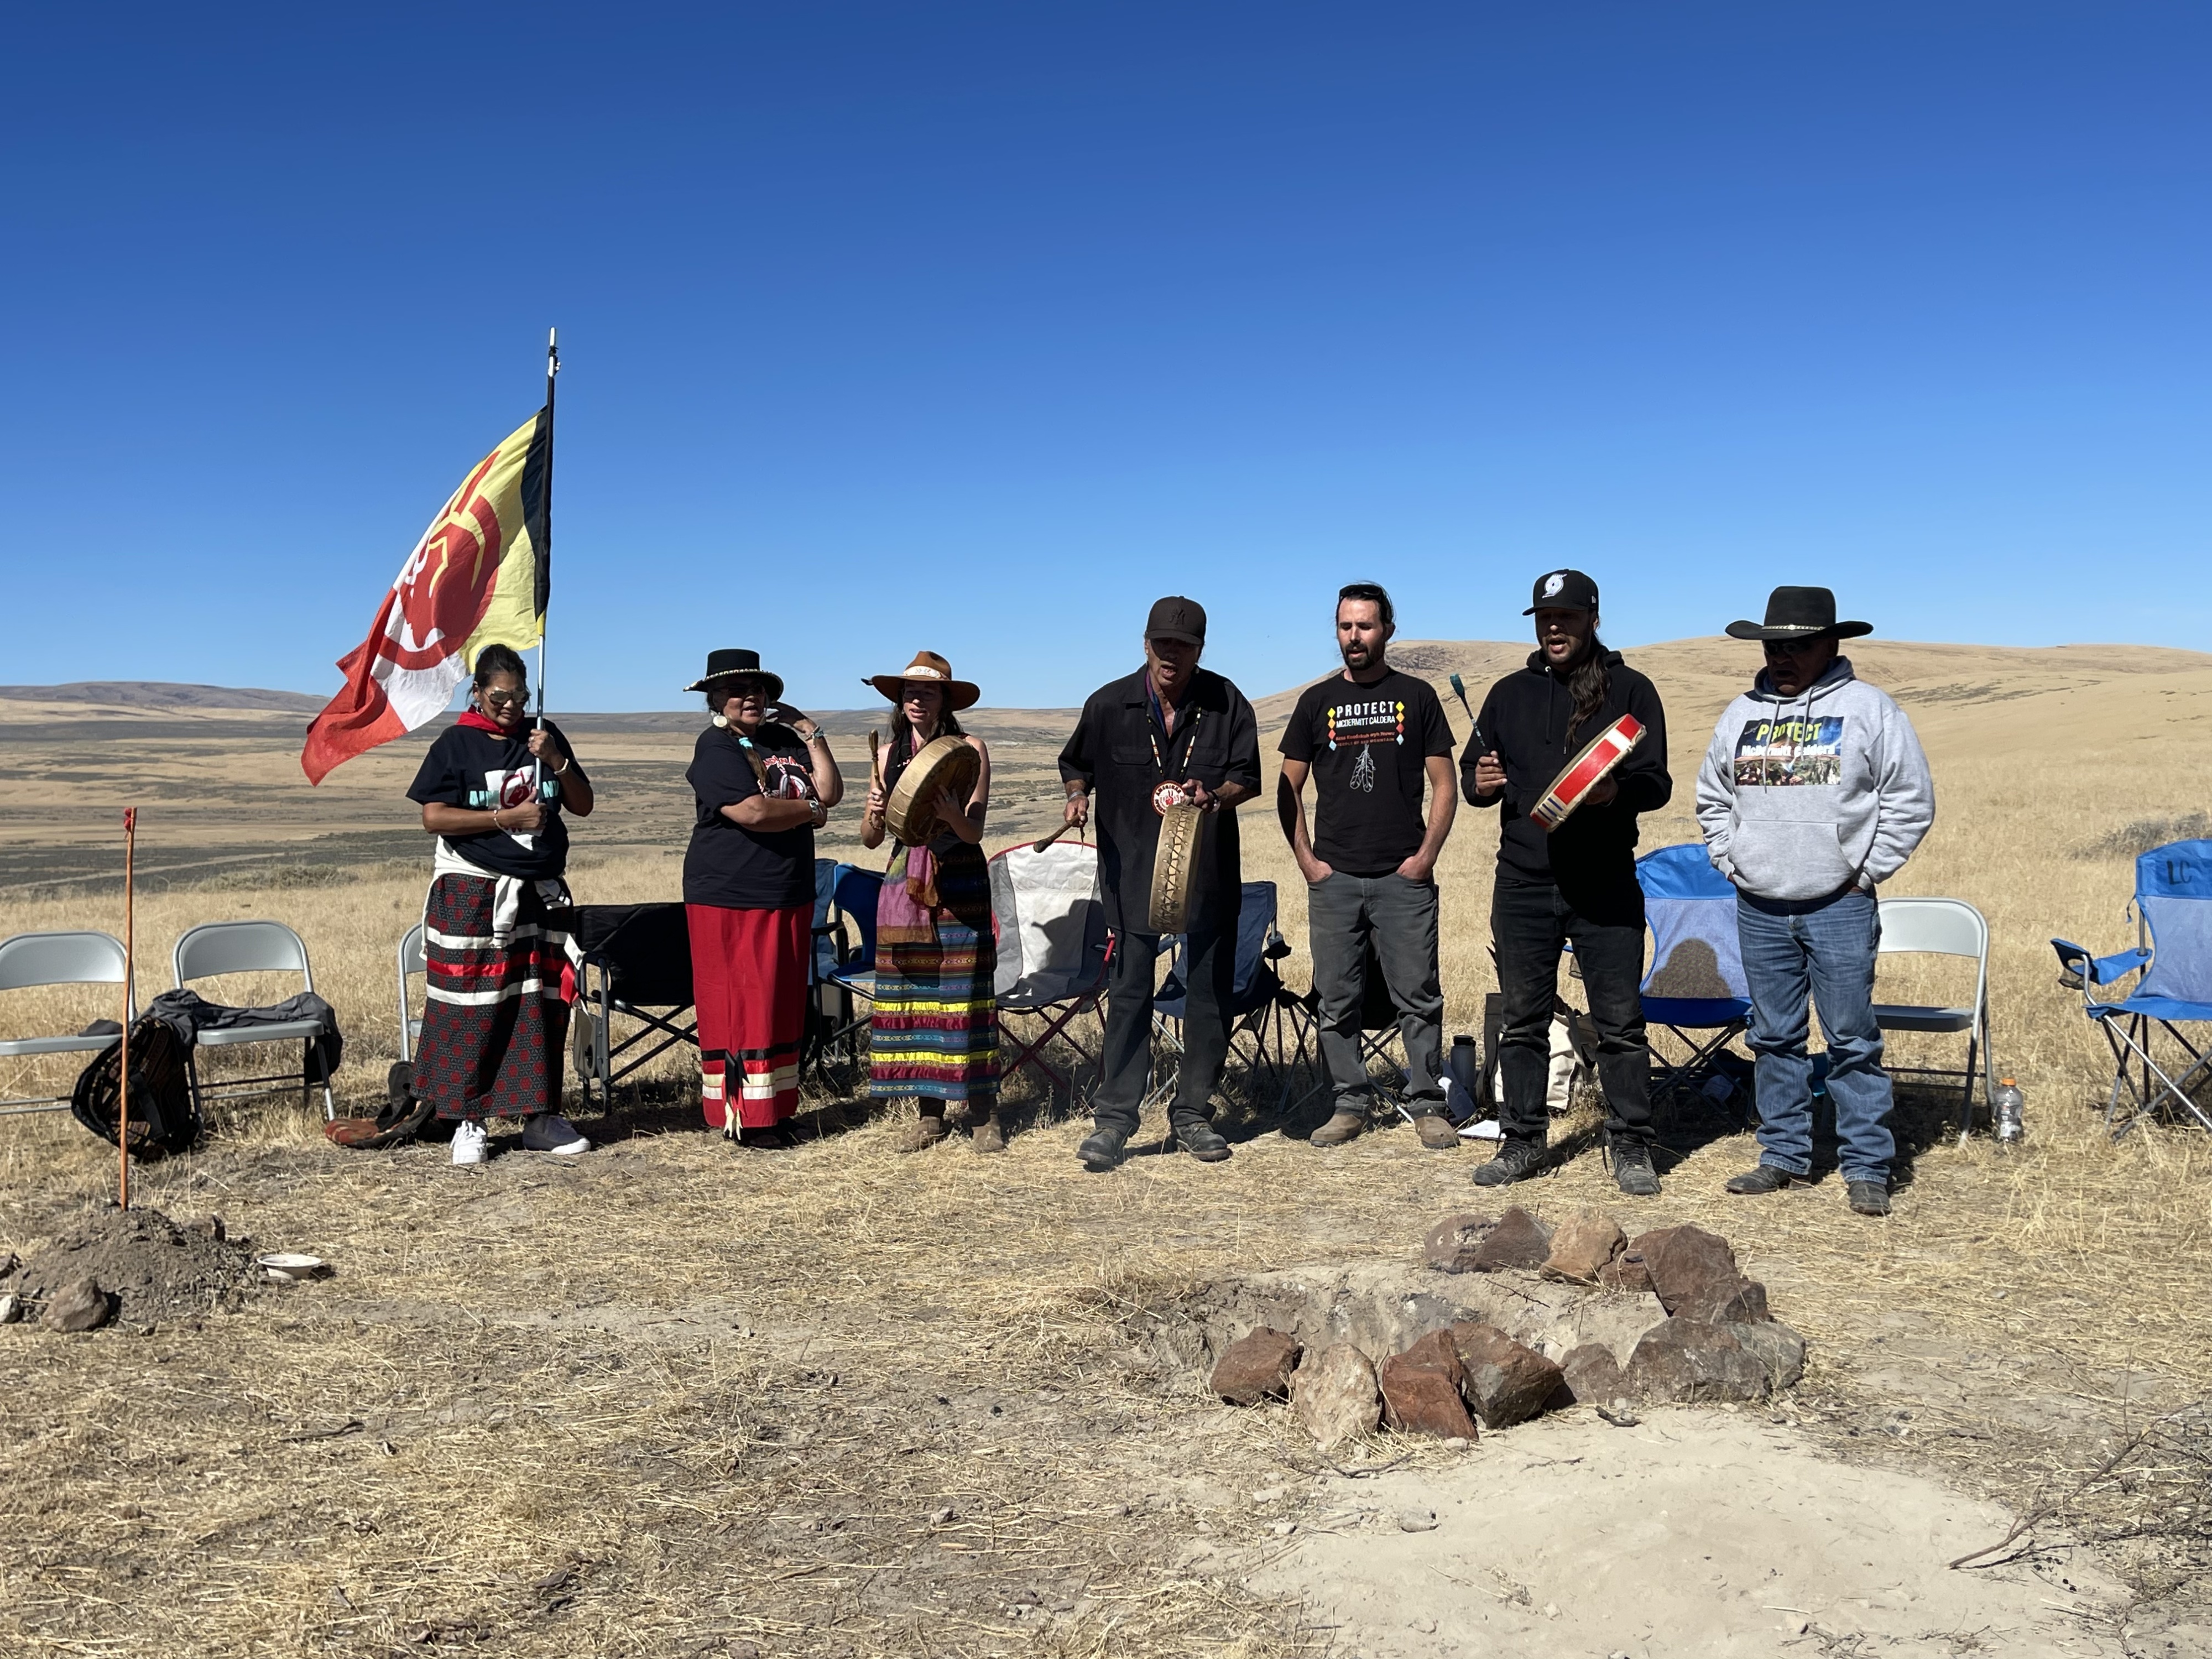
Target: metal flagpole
{"x": 545, "y": 518}
{"x": 123, "y": 1080}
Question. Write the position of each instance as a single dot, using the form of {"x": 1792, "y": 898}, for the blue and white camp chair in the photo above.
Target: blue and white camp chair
{"x": 1271, "y": 1032}
{"x": 842, "y": 982}
{"x": 1696, "y": 988}
{"x": 2173, "y": 955}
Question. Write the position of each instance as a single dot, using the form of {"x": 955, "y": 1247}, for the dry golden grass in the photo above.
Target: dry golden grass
{"x": 675, "y": 1399}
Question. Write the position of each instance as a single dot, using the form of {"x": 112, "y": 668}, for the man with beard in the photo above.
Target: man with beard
{"x": 1576, "y": 883}
{"x": 1171, "y": 731}
{"x": 1369, "y": 736}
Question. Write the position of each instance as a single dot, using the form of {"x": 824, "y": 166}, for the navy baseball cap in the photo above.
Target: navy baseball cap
{"x": 1563, "y": 589}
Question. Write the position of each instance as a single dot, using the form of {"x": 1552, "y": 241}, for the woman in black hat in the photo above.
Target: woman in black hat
{"x": 763, "y": 786}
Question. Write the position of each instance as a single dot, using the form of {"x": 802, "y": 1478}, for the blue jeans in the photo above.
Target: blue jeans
{"x": 1824, "y": 948}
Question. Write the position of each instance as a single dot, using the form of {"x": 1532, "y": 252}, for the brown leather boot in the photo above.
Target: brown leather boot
{"x": 1341, "y": 1127}
{"x": 986, "y": 1135}
{"x": 1435, "y": 1131}
{"x": 925, "y": 1131}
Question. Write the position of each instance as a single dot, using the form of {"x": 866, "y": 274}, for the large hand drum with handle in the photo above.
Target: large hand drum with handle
{"x": 1587, "y": 770}
{"x": 1175, "y": 868}
{"x": 945, "y": 763}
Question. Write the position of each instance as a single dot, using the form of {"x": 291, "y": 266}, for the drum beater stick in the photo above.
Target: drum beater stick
{"x": 123, "y": 1082}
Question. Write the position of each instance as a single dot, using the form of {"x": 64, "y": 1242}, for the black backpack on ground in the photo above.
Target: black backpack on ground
{"x": 163, "y": 1121}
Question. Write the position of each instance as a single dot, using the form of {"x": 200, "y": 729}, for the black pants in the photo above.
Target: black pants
{"x": 1210, "y": 967}
{"x": 1528, "y": 924}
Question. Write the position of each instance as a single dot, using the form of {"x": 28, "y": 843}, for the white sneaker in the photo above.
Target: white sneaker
{"x": 470, "y": 1143}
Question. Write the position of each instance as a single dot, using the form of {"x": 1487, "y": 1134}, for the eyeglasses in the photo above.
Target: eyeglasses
{"x": 1793, "y": 647}
{"x": 505, "y": 699}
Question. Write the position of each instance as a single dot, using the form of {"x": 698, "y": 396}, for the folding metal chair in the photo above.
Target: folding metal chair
{"x": 2172, "y": 906}
{"x": 216, "y": 948}
{"x": 842, "y": 976}
{"x": 30, "y": 961}
{"x": 1270, "y": 1030}
{"x": 1053, "y": 948}
{"x": 1695, "y": 988}
{"x": 411, "y": 962}
{"x": 1949, "y": 927}
{"x": 637, "y": 964}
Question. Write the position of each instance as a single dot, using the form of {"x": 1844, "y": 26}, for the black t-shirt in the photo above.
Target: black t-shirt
{"x": 470, "y": 767}
{"x": 1369, "y": 746}
{"x": 727, "y": 864}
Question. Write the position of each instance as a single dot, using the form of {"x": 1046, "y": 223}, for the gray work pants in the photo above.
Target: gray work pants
{"x": 1343, "y": 913}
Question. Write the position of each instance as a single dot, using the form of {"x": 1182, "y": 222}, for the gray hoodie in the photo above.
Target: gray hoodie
{"x": 1800, "y": 797}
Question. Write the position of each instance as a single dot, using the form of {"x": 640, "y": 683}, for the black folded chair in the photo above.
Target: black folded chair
{"x": 637, "y": 965}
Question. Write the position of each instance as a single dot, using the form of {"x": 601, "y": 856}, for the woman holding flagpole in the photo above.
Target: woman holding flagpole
{"x": 762, "y": 787}
{"x": 934, "y": 1032}
{"x": 500, "y": 969}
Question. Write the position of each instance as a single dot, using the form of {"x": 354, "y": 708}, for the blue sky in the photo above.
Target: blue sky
{"x": 978, "y": 326}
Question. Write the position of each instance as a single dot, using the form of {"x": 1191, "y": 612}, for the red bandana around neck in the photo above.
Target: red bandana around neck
{"x": 477, "y": 720}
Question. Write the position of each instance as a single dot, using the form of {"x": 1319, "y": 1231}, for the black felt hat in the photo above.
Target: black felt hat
{"x": 733, "y": 663}
{"x": 1799, "y": 613}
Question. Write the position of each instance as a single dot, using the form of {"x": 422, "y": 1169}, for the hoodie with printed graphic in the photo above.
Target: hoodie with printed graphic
{"x": 1802, "y": 797}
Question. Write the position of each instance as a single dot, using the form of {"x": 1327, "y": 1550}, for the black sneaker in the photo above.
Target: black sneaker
{"x": 549, "y": 1132}
{"x": 1200, "y": 1138}
{"x": 1869, "y": 1197}
{"x": 1633, "y": 1171}
{"x": 1766, "y": 1178}
{"x": 1101, "y": 1149}
{"x": 1514, "y": 1160}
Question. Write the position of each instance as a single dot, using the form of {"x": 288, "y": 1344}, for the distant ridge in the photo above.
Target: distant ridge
{"x": 163, "y": 695}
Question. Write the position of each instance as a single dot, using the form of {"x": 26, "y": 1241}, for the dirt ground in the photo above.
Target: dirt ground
{"x": 675, "y": 1398}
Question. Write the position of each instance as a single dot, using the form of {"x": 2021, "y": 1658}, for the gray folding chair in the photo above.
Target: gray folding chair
{"x": 215, "y": 948}
{"x": 1949, "y": 927}
{"x": 29, "y": 961}
{"x": 411, "y": 962}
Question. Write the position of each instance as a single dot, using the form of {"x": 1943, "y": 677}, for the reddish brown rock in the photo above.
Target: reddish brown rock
{"x": 1582, "y": 1249}
{"x": 1627, "y": 1272}
{"x": 1421, "y": 1389}
{"x": 1688, "y": 1362}
{"x": 80, "y": 1306}
{"x": 1255, "y": 1365}
{"x": 1518, "y": 1240}
{"x": 1504, "y": 1382}
{"x": 1332, "y": 1394}
{"x": 1777, "y": 1347}
{"x": 1746, "y": 1307}
{"x": 1593, "y": 1376}
{"x": 1452, "y": 1243}
{"x": 1695, "y": 1275}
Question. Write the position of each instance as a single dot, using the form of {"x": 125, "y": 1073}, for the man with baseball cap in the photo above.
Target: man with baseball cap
{"x": 1171, "y": 733}
{"x": 1814, "y": 790}
{"x": 1575, "y": 881}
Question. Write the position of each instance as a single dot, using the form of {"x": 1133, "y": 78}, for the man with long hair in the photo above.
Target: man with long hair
{"x": 1576, "y": 882}
{"x": 1372, "y": 739}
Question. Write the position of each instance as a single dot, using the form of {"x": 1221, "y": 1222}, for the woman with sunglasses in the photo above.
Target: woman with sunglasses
{"x": 494, "y": 789}
{"x": 764, "y": 781}
{"x": 934, "y": 1031}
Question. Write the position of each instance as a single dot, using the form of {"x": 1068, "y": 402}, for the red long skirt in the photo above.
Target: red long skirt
{"x": 749, "y": 986}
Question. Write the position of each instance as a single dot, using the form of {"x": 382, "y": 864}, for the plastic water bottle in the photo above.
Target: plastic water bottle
{"x": 2008, "y": 1112}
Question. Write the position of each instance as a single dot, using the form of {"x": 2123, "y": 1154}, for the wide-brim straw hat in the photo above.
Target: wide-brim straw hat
{"x": 927, "y": 665}
{"x": 1800, "y": 613}
{"x": 736, "y": 665}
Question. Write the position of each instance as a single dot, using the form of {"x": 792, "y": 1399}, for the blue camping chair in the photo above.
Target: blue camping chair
{"x": 1270, "y": 1030}
{"x": 1696, "y": 987}
{"x": 842, "y": 980}
{"x": 2173, "y": 955}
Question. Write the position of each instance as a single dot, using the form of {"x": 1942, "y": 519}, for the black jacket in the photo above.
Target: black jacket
{"x": 1525, "y": 720}
{"x": 1217, "y": 741}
